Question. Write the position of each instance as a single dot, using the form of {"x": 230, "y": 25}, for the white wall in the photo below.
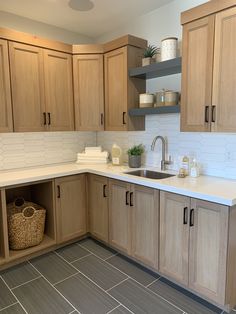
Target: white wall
{"x": 215, "y": 152}
{"x": 23, "y": 24}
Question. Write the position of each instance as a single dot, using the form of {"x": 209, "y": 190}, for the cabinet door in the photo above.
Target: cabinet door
{"x": 59, "y": 91}
{"x": 98, "y": 207}
{"x": 224, "y": 79}
{"x": 208, "y": 249}
{"x": 71, "y": 207}
{"x": 174, "y": 236}
{"x": 116, "y": 89}
{"x": 119, "y": 216}
{"x": 5, "y": 92}
{"x": 88, "y": 92}
{"x": 26, "y": 65}
{"x": 197, "y": 72}
{"x": 144, "y": 204}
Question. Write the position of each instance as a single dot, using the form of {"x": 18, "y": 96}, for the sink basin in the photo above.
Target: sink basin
{"x": 150, "y": 174}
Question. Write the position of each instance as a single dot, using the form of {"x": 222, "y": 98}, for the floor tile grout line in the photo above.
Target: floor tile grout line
{"x": 6, "y": 307}
{"x": 60, "y": 281}
{"x": 75, "y": 309}
{"x": 95, "y": 282}
{"x": 165, "y": 299}
{"x": 117, "y": 284}
{"x": 12, "y": 292}
{"x": 78, "y": 259}
{"x": 113, "y": 309}
{"x": 83, "y": 247}
{"x": 26, "y": 282}
{"x": 153, "y": 282}
{"x": 135, "y": 280}
{"x": 111, "y": 256}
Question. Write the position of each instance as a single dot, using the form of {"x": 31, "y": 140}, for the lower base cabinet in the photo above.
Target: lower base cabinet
{"x": 71, "y": 207}
{"x": 193, "y": 244}
{"x": 98, "y": 207}
{"x": 134, "y": 224}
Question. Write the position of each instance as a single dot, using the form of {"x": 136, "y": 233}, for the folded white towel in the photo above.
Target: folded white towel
{"x": 93, "y": 149}
{"x": 87, "y": 162}
{"x": 93, "y": 154}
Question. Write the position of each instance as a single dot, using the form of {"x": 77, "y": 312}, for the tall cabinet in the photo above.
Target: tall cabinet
{"x": 209, "y": 65}
{"x": 89, "y": 92}
{"x": 5, "y": 92}
{"x": 121, "y": 91}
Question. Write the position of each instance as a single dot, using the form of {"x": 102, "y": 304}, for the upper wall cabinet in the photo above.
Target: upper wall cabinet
{"x": 88, "y": 92}
{"x": 5, "y": 92}
{"x": 26, "y": 63}
{"x": 122, "y": 92}
{"x": 209, "y": 66}
{"x": 59, "y": 90}
{"x": 41, "y": 89}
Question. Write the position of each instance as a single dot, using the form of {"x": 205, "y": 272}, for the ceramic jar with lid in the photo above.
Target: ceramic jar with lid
{"x": 146, "y": 100}
{"x": 169, "y": 48}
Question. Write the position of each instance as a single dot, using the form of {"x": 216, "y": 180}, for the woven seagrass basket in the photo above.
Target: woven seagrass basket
{"x": 26, "y": 223}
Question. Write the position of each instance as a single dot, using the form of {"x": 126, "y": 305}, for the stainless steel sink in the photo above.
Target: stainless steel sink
{"x": 150, "y": 174}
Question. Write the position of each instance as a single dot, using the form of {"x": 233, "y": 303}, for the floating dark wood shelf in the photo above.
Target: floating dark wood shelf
{"x": 154, "y": 110}
{"x": 158, "y": 69}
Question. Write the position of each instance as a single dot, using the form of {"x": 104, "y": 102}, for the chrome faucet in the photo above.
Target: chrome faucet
{"x": 164, "y": 162}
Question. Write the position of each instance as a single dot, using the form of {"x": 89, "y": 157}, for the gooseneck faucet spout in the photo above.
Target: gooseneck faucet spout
{"x": 164, "y": 162}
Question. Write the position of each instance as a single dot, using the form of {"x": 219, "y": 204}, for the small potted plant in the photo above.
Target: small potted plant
{"x": 148, "y": 55}
{"x": 134, "y": 154}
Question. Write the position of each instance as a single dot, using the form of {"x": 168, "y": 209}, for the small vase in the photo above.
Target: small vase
{"x": 147, "y": 61}
{"x": 134, "y": 161}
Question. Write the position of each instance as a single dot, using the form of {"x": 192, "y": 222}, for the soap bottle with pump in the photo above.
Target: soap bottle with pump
{"x": 185, "y": 165}
{"x": 194, "y": 170}
{"x": 116, "y": 155}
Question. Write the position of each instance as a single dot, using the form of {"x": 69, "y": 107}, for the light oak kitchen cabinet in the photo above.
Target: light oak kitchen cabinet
{"x": 71, "y": 207}
{"x": 42, "y": 92}
{"x": 58, "y": 90}
{"x": 133, "y": 221}
{"x": 208, "y": 77}
{"x": 6, "y": 124}
{"x": 98, "y": 207}
{"x": 122, "y": 92}
{"x": 27, "y": 81}
{"x": 89, "y": 92}
{"x": 193, "y": 245}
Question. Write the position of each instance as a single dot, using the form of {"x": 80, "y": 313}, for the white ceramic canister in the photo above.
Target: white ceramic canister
{"x": 169, "y": 48}
{"x": 146, "y": 100}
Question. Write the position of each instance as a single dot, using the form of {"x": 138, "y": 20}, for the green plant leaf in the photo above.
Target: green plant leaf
{"x": 136, "y": 150}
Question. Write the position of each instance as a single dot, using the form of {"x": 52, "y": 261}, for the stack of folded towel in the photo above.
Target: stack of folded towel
{"x": 93, "y": 155}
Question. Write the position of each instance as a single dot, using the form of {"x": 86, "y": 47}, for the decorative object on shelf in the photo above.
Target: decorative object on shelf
{"x": 146, "y": 100}
{"x": 26, "y": 223}
{"x": 171, "y": 98}
{"x": 169, "y": 48}
{"x": 158, "y": 55}
{"x": 148, "y": 55}
{"x": 135, "y": 153}
{"x": 160, "y": 98}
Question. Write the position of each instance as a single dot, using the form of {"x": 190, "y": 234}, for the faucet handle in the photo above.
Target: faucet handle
{"x": 169, "y": 161}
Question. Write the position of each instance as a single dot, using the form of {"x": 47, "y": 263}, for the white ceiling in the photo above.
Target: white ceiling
{"x": 106, "y": 16}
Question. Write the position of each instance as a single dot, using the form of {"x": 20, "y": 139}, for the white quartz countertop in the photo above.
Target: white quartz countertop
{"x": 218, "y": 190}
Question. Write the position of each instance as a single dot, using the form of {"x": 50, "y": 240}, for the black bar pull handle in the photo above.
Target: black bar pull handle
{"x": 131, "y": 199}
{"x": 127, "y": 198}
{"x": 58, "y": 191}
{"x": 102, "y": 119}
{"x": 207, "y": 114}
{"x": 49, "y": 118}
{"x": 44, "y": 118}
{"x": 213, "y": 114}
{"x": 185, "y": 216}
{"x": 124, "y": 114}
{"x": 191, "y": 217}
{"x": 104, "y": 190}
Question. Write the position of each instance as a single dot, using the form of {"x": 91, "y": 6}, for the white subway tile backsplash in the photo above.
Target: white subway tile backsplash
{"x": 216, "y": 152}
{"x": 19, "y": 150}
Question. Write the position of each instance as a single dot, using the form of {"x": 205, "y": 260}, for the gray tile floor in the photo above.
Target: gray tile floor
{"x": 89, "y": 278}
